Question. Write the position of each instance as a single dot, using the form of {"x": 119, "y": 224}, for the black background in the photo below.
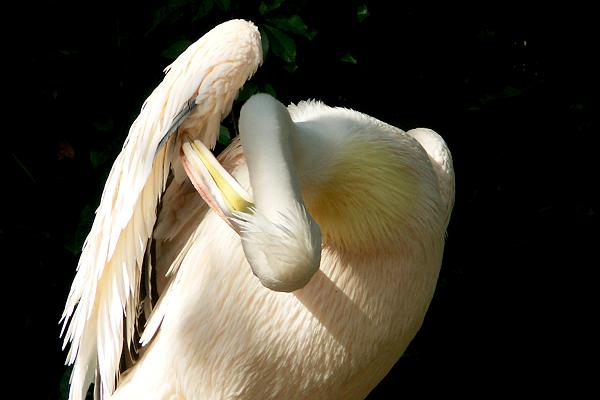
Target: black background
{"x": 511, "y": 88}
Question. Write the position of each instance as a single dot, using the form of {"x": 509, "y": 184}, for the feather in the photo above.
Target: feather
{"x": 105, "y": 290}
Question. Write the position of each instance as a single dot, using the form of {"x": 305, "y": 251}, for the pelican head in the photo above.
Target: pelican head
{"x": 285, "y": 251}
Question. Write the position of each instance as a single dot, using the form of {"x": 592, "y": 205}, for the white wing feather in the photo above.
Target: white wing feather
{"x": 441, "y": 161}
{"x": 105, "y": 288}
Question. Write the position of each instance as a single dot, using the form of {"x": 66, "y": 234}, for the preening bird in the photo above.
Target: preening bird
{"x": 299, "y": 264}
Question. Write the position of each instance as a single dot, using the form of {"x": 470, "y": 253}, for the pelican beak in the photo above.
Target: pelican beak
{"x": 216, "y": 186}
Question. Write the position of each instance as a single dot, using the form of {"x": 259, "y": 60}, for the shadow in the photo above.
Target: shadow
{"x": 334, "y": 309}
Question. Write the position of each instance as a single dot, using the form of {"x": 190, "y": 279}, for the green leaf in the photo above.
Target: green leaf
{"x": 159, "y": 17}
{"x": 64, "y": 384}
{"x": 224, "y": 5}
{"x": 172, "y": 12}
{"x": 511, "y": 91}
{"x": 251, "y": 88}
{"x": 292, "y": 24}
{"x": 507, "y": 93}
{"x": 290, "y": 67}
{"x": 264, "y": 40}
{"x": 248, "y": 90}
{"x": 204, "y": 8}
{"x": 269, "y": 5}
{"x": 270, "y": 89}
{"x": 224, "y": 136}
{"x": 98, "y": 158}
{"x": 176, "y": 49}
{"x": 349, "y": 59}
{"x": 362, "y": 12}
{"x": 282, "y": 45}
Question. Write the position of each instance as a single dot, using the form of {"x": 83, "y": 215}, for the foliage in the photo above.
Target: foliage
{"x": 280, "y": 28}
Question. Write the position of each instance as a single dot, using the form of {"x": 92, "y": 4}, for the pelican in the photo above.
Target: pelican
{"x": 299, "y": 264}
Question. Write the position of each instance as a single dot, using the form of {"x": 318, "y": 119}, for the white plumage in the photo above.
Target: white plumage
{"x": 340, "y": 217}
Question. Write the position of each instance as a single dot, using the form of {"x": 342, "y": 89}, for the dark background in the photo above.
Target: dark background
{"x": 511, "y": 88}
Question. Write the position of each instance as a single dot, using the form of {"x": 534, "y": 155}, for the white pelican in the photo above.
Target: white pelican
{"x": 302, "y": 272}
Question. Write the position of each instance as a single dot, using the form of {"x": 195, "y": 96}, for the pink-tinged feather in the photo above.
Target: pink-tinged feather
{"x": 104, "y": 294}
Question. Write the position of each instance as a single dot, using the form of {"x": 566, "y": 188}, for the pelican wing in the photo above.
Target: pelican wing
{"x": 441, "y": 161}
{"x": 196, "y": 93}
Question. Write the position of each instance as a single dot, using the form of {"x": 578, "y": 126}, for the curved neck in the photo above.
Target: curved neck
{"x": 266, "y": 131}
{"x": 282, "y": 242}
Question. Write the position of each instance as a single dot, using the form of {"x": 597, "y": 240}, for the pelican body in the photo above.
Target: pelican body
{"x": 297, "y": 265}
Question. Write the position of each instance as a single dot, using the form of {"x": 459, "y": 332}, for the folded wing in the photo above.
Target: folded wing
{"x": 196, "y": 93}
